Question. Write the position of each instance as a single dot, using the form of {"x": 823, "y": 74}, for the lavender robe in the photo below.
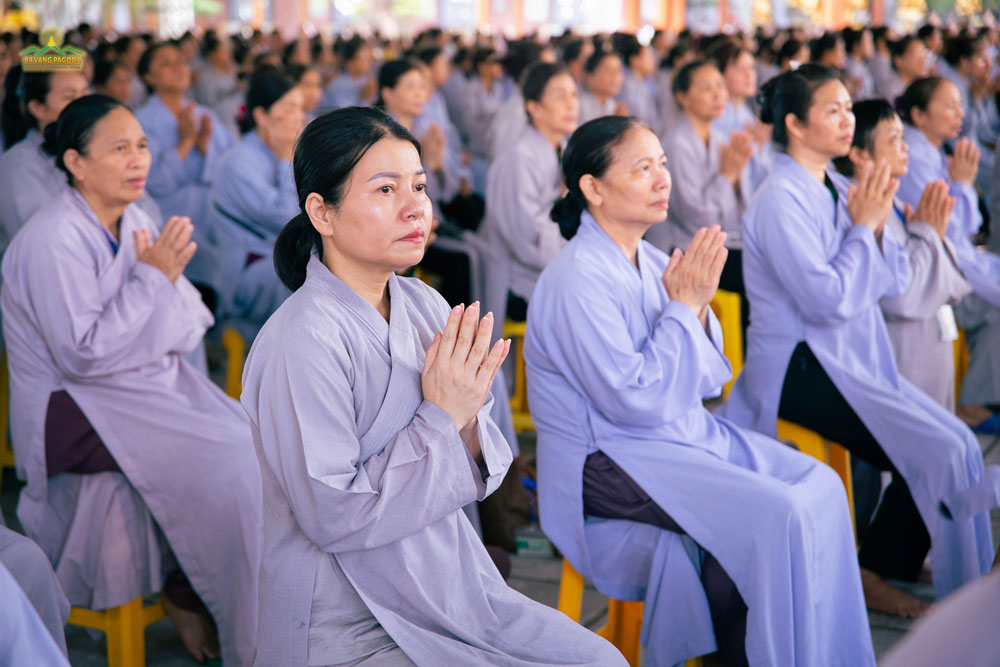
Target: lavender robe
{"x": 253, "y": 197}
{"x": 813, "y": 276}
{"x": 110, "y": 330}
{"x": 637, "y": 94}
{"x": 700, "y": 196}
{"x": 591, "y": 107}
{"x": 182, "y": 188}
{"x": 344, "y": 91}
{"x": 362, "y": 474}
{"x": 522, "y": 185}
{"x": 509, "y": 121}
{"x": 737, "y": 118}
{"x": 614, "y": 365}
{"x": 24, "y": 639}
{"x": 479, "y": 107}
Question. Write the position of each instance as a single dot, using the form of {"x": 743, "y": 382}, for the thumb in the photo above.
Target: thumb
{"x": 432, "y": 352}
{"x": 142, "y": 241}
{"x": 907, "y": 212}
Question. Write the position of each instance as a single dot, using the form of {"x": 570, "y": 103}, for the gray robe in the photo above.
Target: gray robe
{"x": 701, "y": 196}
{"x": 364, "y": 482}
{"x": 923, "y": 357}
{"x": 27, "y": 563}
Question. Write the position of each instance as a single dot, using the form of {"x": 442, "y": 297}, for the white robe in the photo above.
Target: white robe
{"x": 364, "y": 477}
{"x": 110, "y": 331}
{"x": 813, "y": 276}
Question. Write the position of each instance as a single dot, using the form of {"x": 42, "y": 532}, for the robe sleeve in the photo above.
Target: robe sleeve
{"x": 935, "y": 279}
{"x": 700, "y": 196}
{"x": 344, "y": 503}
{"x": 965, "y": 217}
{"x": 523, "y": 216}
{"x": 148, "y": 318}
{"x": 826, "y": 292}
{"x": 166, "y": 172}
{"x": 644, "y": 385}
{"x": 261, "y": 199}
{"x": 220, "y": 142}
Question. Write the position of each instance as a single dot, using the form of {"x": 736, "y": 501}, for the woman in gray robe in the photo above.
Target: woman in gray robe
{"x": 368, "y": 446}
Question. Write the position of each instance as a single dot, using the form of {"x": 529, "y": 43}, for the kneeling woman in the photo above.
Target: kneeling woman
{"x": 372, "y": 430}
{"x": 621, "y": 348}
{"x": 96, "y": 318}
{"x": 817, "y": 264}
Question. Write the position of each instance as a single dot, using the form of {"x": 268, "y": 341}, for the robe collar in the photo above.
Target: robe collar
{"x": 125, "y": 230}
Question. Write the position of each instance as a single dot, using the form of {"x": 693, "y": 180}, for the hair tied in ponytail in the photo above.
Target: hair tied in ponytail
{"x": 566, "y": 213}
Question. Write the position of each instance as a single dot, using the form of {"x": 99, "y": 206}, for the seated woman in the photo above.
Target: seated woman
{"x": 640, "y": 486}
{"x": 372, "y": 430}
{"x": 637, "y": 86}
{"x": 816, "y": 265}
{"x": 186, "y": 142}
{"x": 253, "y": 197}
{"x": 917, "y": 319}
{"x": 114, "y": 79}
{"x": 909, "y": 57}
{"x": 26, "y": 639}
{"x": 603, "y": 78}
{"x": 218, "y": 85}
{"x": 310, "y": 82}
{"x": 355, "y": 84}
{"x": 708, "y": 169}
{"x": 521, "y": 185}
{"x": 28, "y": 178}
{"x": 96, "y": 316}
{"x": 932, "y": 110}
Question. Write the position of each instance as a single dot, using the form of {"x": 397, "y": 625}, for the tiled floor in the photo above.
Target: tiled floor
{"x": 536, "y": 578}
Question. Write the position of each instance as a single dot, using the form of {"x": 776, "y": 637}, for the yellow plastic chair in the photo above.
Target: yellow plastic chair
{"x": 727, "y": 308}
{"x": 961, "y": 361}
{"x": 519, "y": 399}
{"x": 235, "y": 347}
{"x": 624, "y": 617}
{"x": 124, "y": 627}
{"x": 834, "y": 455}
{"x": 6, "y": 451}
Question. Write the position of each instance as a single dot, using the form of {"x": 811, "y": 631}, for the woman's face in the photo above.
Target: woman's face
{"x": 741, "y": 76}
{"x": 837, "y": 56}
{"x": 644, "y": 64}
{"x": 440, "y": 70}
{"x": 285, "y": 118}
{"x": 64, "y": 87}
{"x": 888, "y": 145}
{"x": 118, "y": 85}
{"x": 829, "y": 130}
{"x": 943, "y": 118}
{"x": 559, "y": 108}
{"x": 115, "y": 163}
{"x": 361, "y": 63}
{"x": 169, "y": 71}
{"x": 385, "y": 214}
{"x": 912, "y": 64}
{"x": 706, "y": 97}
{"x": 636, "y": 186}
{"x": 608, "y": 77}
{"x": 409, "y": 95}
{"x": 312, "y": 89}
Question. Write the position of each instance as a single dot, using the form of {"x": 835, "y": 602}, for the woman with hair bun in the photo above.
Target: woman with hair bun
{"x": 733, "y": 540}
{"x": 817, "y": 264}
{"x": 370, "y": 401}
{"x": 126, "y": 445}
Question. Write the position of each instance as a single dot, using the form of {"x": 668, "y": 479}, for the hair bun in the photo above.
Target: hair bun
{"x": 765, "y": 97}
{"x": 566, "y": 213}
{"x": 49, "y": 139}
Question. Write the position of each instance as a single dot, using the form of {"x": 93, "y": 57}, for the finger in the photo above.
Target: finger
{"x": 949, "y": 207}
{"x": 432, "y": 352}
{"x": 907, "y": 213}
{"x": 891, "y": 190}
{"x": 185, "y": 255}
{"x": 170, "y": 231}
{"x": 142, "y": 241}
{"x": 719, "y": 263}
{"x": 466, "y": 333}
{"x": 184, "y": 231}
{"x": 451, "y": 331}
{"x": 481, "y": 347}
{"x": 486, "y": 370}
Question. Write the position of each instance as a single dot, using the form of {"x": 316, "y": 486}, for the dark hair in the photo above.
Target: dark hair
{"x": 852, "y": 37}
{"x": 481, "y": 56}
{"x": 20, "y": 88}
{"x": 898, "y": 48}
{"x": 918, "y": 95}
{"x": 925, "y": 31}
{"x": 75, "y": 126}
{"x": 391, "y": 72}
{"x": 958, "y": 48}
{"x": 867, "y": 115}
{"x": 325, "y": 155}
{"x": 536, "y": 78}
{"x": 880, "y": 34}
{"x": 104, "y": 69}
{"x": 296, "y": 71}
{"x": 789, "y": 50}
{"x": 428, "y": 54}
{"x": 589, "y": 151}
{"x": 824, "y": 44}
{"x": 349, "y": 48}
{"x": 122, "y": 44}
{"x": 676, "y": 52}
{"x": 146, "y": 61}
{"x": 520, "y": 55}
{"x": 726, "y": 53}
{"x": 266, "y": 87}
{"x": 210, "y": 44}
{"x": 628, "y": 47}
{"x": 594, "y": 61}
{"x": 572, "y": 50}
{"x": 681, "y": 82}
{"x": 792, "y": 93}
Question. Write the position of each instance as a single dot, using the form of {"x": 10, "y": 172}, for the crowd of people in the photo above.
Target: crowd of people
{"x": 600, "y": 189}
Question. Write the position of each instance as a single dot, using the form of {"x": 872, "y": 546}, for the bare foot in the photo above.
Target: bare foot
{"x": 197, "y": 631}
{"x": 973, "y": 415}
{"x": 925, "y": 576}
{"x": 880, "y": 596}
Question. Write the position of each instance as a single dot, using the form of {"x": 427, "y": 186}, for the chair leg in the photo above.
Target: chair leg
{"x": 623, "y": 628}
{"x": 126, "y": 635}
{"x": 235, "y": 347}
{"x": 570, "y": 592}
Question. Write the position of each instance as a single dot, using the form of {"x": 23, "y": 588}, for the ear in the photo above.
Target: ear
{"x": 531, "y": 107}
{"x": 591, "y": 189}
{"x": 36, "y": 108}
{"x": 794, "y": 126}
{"x": 858, "y": 156}
{"x": 259, "y": 116}
{"x": 319, "y": 214}
{"x": 74, "y": 162}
